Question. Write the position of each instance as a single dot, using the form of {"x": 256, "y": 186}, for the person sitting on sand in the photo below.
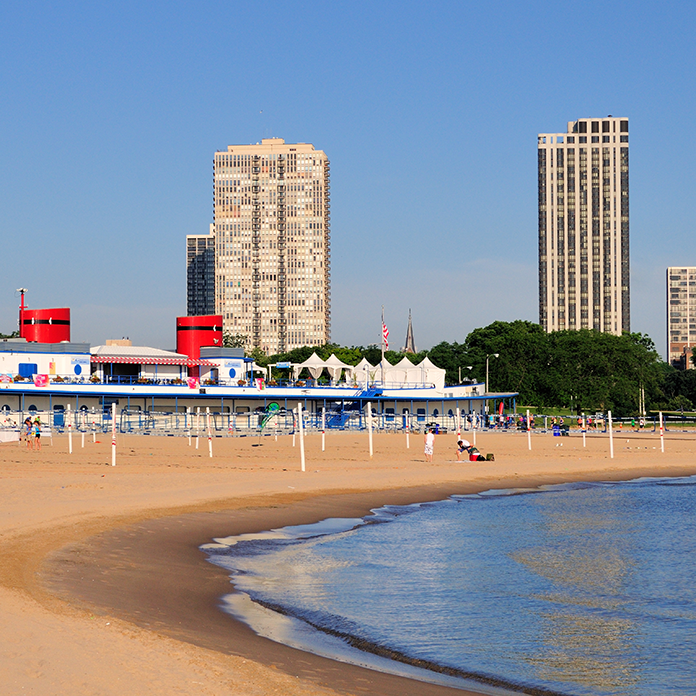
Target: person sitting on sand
{"x": 462, "y": 446}
{"x": 429, "y": 445}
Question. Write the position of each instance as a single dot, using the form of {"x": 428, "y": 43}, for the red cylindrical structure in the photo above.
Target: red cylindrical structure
{"x": 194, "y": 332}
{"x": 46, "y": 325}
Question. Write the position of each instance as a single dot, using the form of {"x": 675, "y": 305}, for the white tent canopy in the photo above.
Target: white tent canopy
{"x": 313, "y": 363}
{"x": 431, "y": 373}
{"x": 404, "y": 371}
{"x": 364, "y": 371}
{"x": 334, "y": 366}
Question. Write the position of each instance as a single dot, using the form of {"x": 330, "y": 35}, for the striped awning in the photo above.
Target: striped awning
{"x": 142, "y": 360}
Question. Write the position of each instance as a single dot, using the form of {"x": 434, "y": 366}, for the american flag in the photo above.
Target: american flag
{"x": 385, "y": 336}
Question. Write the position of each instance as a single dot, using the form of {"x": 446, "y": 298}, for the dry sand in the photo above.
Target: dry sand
{"x": 103, "y": 589}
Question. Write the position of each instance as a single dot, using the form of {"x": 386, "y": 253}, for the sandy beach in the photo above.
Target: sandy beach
{"x": 103, "y": 588}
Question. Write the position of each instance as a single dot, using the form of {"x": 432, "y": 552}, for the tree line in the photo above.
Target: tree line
{"x": 582, "y": 370}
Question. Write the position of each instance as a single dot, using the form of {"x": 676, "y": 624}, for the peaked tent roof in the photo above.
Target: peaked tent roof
{"x": 334, "y": 366}
{"x": 313, "y": 363}
{"x": 405, "y": 371}
{"x": 432, "y": 373}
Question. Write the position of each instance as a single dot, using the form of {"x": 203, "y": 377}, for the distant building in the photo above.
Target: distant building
{"x": 200, "y": 274}
{"x": 584, "y": 271}
{"x": 272, "y": 244}
{"x": 681, "y": 315}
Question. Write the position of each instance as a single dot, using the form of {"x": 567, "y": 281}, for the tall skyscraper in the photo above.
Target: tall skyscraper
{"x": 200, "y": 274}
{"x": 272, "y": 243}
{"x": 584, "y": 272}
{"x": 681, "y": 315}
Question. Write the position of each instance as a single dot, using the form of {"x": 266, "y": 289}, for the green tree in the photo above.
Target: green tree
{"x": 230, "y": 340}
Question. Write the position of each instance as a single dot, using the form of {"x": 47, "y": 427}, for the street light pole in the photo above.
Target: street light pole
{"x": 492, "y": 355}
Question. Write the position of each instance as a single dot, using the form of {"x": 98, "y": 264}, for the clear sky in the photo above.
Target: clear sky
{"x": 110, "y": 114}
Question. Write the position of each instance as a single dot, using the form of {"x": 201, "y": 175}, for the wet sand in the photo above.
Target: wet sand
{"x": 103, "y": 588}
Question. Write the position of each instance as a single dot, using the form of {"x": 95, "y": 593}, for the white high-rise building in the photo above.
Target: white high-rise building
{"x": 681, "y": 315}
{"x": 272, "y": 244}
{"x": 584, "y": 271}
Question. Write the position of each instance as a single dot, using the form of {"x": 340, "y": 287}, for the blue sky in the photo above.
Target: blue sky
{"x": 428, "y": 112}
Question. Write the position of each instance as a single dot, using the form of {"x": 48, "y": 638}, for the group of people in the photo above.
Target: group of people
{"x": 32, "y": 432}
{"x": 463, "y": 446}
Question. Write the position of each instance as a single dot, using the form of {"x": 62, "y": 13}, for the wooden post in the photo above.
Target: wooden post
{"x": 113, "y": 434}
{"x": 611, "y": 436}
{"x": 198, "y": 423}
{"x": 662, "y": 434}
{"x": 299, "y": 421}
{"x": 210, "y": 435}
{"x": 69, "y": 419}
{"x": 323, "y": 428}
{"x": 529, "y": 432}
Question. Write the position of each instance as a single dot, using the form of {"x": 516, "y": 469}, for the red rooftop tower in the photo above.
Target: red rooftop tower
{"x": 192, "y": 333}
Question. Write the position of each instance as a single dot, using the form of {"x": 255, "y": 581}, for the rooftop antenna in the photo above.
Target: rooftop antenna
{"x": 21, "y": 291}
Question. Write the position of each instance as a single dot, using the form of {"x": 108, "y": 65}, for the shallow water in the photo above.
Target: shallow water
{"x": 584, "y": 589}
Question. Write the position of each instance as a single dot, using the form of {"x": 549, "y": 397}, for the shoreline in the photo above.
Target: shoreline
{"x": 144, "y": 566}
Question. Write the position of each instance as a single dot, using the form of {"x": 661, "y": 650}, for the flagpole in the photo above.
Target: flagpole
{"x": 382, "y": 361}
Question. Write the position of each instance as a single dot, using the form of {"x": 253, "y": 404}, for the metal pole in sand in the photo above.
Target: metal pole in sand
{"x": 473, "y": 426}
{"x": 69, "y": 419}
{"x": 198, "y": 423}
{"x": 294, "y": 427}
{"x": 188, "y": 423}
{"x": 584, "y": 429}
{"x": 299, "y": 422}
{"x": 210, "y": 436}
{"x": 83, "y": 438}
{"x": 369, "y": 426}
{"x": 611, "y": 436}
{"x": 408, "y": 423}
{"x": 459, "y": 426}
{"x": 323, "y": 428}
{"x": 529, "y": 432}
{"x": 113, "y": 434}
{"x": 94, "y": 427}
{"x": 662, "y": 434}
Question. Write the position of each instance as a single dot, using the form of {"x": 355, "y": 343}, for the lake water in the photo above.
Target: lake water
{"x": 583, "y": 589}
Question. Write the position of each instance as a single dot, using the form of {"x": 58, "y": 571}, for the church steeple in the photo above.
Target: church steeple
{"x": 410, "y": 346}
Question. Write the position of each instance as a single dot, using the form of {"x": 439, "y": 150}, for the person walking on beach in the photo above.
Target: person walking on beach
{"x": 429, "y": 445}
{"x": 28, "y": 428}
{"x": 37, "y": 433}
